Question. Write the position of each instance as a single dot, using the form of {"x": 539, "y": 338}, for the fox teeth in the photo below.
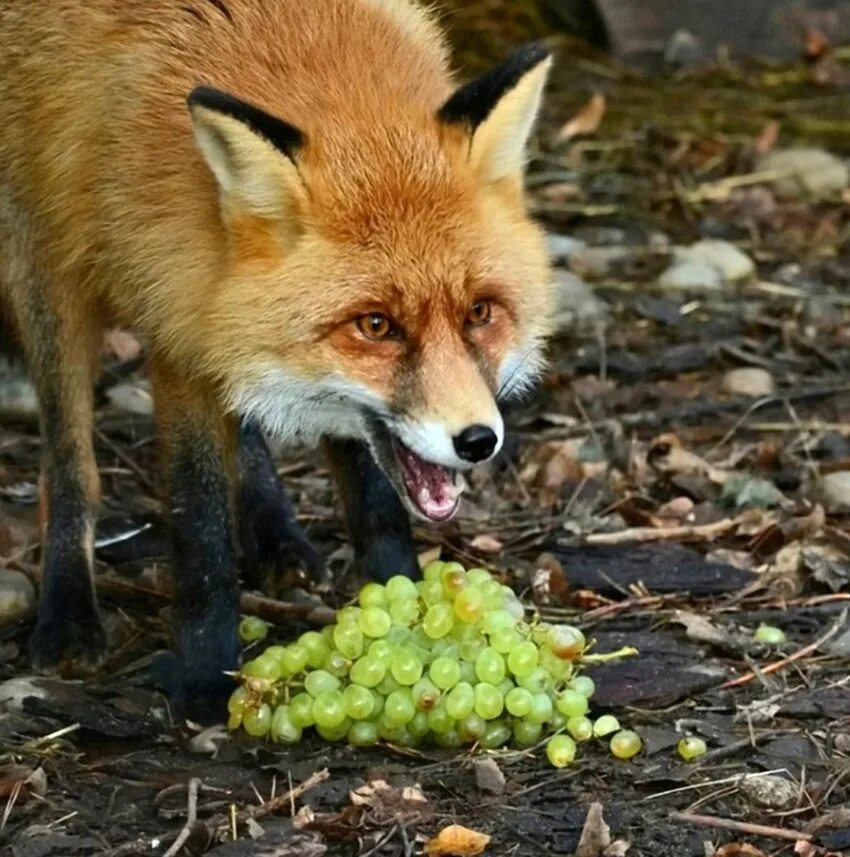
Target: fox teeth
{"x": 424, "y": 497}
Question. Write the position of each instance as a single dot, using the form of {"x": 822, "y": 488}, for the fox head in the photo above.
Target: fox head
{"x": 384, "y": 281}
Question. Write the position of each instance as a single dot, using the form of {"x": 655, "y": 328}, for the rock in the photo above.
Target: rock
{"x": 691, "y": 276}
{"x": 731, "y": 262}
{"x": 598, "y": 262}
{"x": 835, "y": 490}
{"x": 561, "y": 247}
{"x": 14, "y": 691}
{"x": 135, "y": 398}
{"x": 17, "y": 395}
{"x": 577, "y": 304}
{"x": 684, "y": 49}
{"x": 807, "y": 173}
{"x": 489, "y": 776}
{"x": 749, "y": 382}
{"x": 17, "y": 597}
{"x": 769, "y": 791}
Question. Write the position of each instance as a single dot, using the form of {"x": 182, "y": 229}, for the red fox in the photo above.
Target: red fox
{"x": 319, "y": 237}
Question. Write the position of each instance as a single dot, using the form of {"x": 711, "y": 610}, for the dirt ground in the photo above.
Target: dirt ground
{"x": 650, "y": 491}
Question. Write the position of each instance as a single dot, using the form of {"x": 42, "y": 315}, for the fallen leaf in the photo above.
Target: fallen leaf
{"x": 457, "y": 841}
{"x": 816, "y": 44}
{"x": 667, "y": 455}
{"x": 596, "y": 835}
{"x": 739, "y": 849}
{"x": 767, "y": 138}
{"x": 486, "y": 544}
{"x": 587, "y": 120}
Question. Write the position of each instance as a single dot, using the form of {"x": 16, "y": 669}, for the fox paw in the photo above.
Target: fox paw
{"x": 68, "y": 647}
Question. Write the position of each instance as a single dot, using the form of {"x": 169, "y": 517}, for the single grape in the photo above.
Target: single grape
{"x": 329, "y": 709}
{"x": 388, "y": 731}
{"x": 431, "y": 572}
{"x": 559, "y": 670}
{"x": 401, "y": 588}
{"x": 495, "y": 620}
{"x": 519, "y": 702}
{"x": 581, "y": 728}
{"x": 584, "y": 685}
{"x": 283, "y": 730}
{"x": 398, "y": 635}
{"x": 335, "y": 733}
{"x": 399, "y": 708}
{"x": 368, "y": 671}
{"x": 522, "y": 659}
{"x": 375, "y": 622}
{"x": 438, "y": 620}
{"x": 505, "y": 640}
{"x": 406, "y": 668}
{"x": 463, "y": 632}
{"x": 404, "y": 612}
{"x": 301, "y": 711}
{"x": 439, "y": 720}
{"x": 472, "y": 648}
{"x": 557, "y": 721}
{"x": 496, "y": 735}
{"x": 337, "y": 664}
{"x": 432, "y": 592}
{"x": 450, "y": 740}
{"x": 294, "y": 658}
{"x": 537, "y": 681}
{"x": 388, "y": 685}
{"x": 460, "y": 701}
{"x": 347, "y": 616}
{"x": 691, "y": 748}
{"x": 489, "y": 703}
{"x": 363, "y": 733}
{"x": 467, "y": 672}
{"x": 769, "y": 634}
{"x": 349, "y": 640}
{"x": 372, "y": 595}
{"x": 445, "y": 648}
{"x": 257, "y": 721}
{"x": 317, "y": 648}
{"x": 418, "y": 727}
{"x": 327, "y": 634}
{"x": 566, "y": 641}
{"x": 381, "y": 649}
{"x": 453, "y": 578}
{"x": 469, "y": 605}
{"x": 444, "y": 672}
{"x": 626, "y": 744}
{"x": 234, "y": 720}
{"x": 605, "y": 725}
{"x": 541, "y": 708}
{"x": 262, "y": 667}
{"x": 238, "y": 700}
{"x": 425, "y": 694}
{"x": 320, "y": 681}
{"x": 490, "y": 666}
{"x": 527, "y": 734}
{"x": 505, "y": 686}
{"x": 561, "y": 751}
{"x": 358, "y": 702}
{"x": 571, "y": 703}
{"x": 252, "y": 628}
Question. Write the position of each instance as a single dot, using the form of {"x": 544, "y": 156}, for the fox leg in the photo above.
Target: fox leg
{"x": 270, "y": 537}
{"x": 198, "y": 448}
{"x": 378, "y": 523}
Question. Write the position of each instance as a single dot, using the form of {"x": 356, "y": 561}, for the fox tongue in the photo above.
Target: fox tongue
{"x": 431, "y": 487}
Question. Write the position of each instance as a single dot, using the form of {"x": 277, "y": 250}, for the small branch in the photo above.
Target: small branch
{"x": 282, "y": 612}
{"x": 191, "y": 818}
{"x": 798, "y": 655}
{"x": 741, "y": 826}
{"x": 702, "y": 532}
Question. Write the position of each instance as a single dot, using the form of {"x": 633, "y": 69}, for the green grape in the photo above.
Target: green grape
{"x": 626, "y": 744}
{"x": 378, "y": 709}
{"x": 565, "y": 641}
{"x": 399, "y": 708}
{"x": 537, "y": 681}
{"x": 496, "y": 735}
{"x": 471, "y": 728}
{"x": 557, "y": 721}
{"x": 493, "y": 598}
{"x": 432, "y": 592}
{"x": 372, "y": 595}
{"x": 584, "y": 685}
{"x": 444, "y": 672}
{"x": 769, "y": 634}
{"x": 460, "y": 701}
{"x": 238, "y": 700}
{"x": 496, "y": 620}
{"x": 388, "y": 731}
{"x": 505, "y": 640}
{"x": 317, "y": 648}
{"x": 438, "y": 621}
{"x": 448, "y": 740}
{"x": 380, "y": 649}
{"x": 404, "y": 612}
{"x": 425, "y": 694}
{"x": 368, "y": 671}
{"x": 283, "y": 730}
{"x": 294, "y": 658}
{"x": 469, "y": 605}
{"x": 349, "y": 640}
{"x": 541, "y": 708}
{"x": 335, "y": 733}
{"x": 252, "y": 628}
{"x": 347, "y": 616}
{"x": 337, "y": 664}
{"x": 561, "y": 751}
{"x": 234, "y": 720}
{"x": 439, "y": 720}
{"x": 301, "y": 711}
{"x": 358, "y": 702}
{"x": 490, "y": 666}
{"x": 406, "y": 668}
{"x": 463, "y": 632}
{"x": 363, "y": 733}
{"x": 420, "y": 639}
{"x": 467, "y": 672}
{"x": 398, "y": 635}
{"x": 431, "y": 573}
{"x": 558, "y": 669}
{"x": 471, "y": 649}
{"x": 262, "y": 667}
{"x": 388, "y": 685}
{"x": 445, "y": 648}
{"x": 505, "y": 686}
{"x": 478, "y": 576}
{"x": 320, "y": 681}
{"x": 418, "y": 727}
{"x": 453, "y": 578}
{"x": 522, "y": 659}
{"x": 327, "y": 634}
{"x": 375, "y": 622}
{"x": 519, "y": 702}
{"x": 489, "y": 703}
{"x": 572, "y": 703}
{"x": 401, "y": 588}
{"x": 407, "y": 739}
{"x": 329, "y": 709}
{"x": 580, "y": 728}
{"x": 275, "y": 653}
{"x": 691, "y": 748}
{"x": 257, "y": 721}
{"x": 605, "y": 725}
{"x": 527, "y": 734}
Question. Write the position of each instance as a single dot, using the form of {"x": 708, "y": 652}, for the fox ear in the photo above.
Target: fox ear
{"x": 251, "y": 153}
{"x": 499, "y": 110}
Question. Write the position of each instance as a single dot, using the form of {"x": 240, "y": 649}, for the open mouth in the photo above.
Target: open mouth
{"x": 432, "y": 489}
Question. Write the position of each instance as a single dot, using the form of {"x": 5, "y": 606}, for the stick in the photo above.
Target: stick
{"x": 741, "y": 826}
{"x": 701, "y": 532}
{"x": 282, "y": 612}
{"x": 800, "y": 653}
{"x": 191, "y": 818}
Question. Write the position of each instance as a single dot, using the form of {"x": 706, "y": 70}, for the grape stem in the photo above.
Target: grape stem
{"x": 625, "y": 652}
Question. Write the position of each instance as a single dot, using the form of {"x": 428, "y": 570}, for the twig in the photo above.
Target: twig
{"x": 122, "y": 456}
{"x": 283, "y": 612}
{"x": 701, "y": 532}
{"x": 796, "y": 656}
{"x": 191, "y": 818}
{"x": 741, "y": 826}
{"x": 736, "y": 778}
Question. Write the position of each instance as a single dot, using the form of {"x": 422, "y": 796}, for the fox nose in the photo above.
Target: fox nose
{"x": 476, "y": 443}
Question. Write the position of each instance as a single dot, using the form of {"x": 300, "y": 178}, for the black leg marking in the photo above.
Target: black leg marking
{"x": 270, "y": 538}
{"x": 378, "y": 522}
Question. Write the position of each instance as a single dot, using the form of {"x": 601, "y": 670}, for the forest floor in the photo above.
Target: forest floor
{"x": 681, "y": 476}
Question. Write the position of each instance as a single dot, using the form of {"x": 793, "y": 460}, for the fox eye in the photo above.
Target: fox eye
{"x": 479, "y": 313}
{"x": 376, "y": 326}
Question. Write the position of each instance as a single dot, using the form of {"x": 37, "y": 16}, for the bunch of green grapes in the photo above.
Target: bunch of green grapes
{"x": 449, "y": 660}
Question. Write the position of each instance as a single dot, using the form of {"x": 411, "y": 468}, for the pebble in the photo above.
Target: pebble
{"x": 835, "y": 489}
{"x": 769, "y": 791}
{"x": 489, "y": 776}
{"x": 561, "y": 247}
{"x": 577, "y": 304}
{"x": 135, "y": 398}
{"x": 810, "y": 173}
{"x": 17, "y": 597}
{"x": 598, "y": 262}
{"x": 749, "y": 381}
{"x": 17, "y": 396}
{"x": 695, "y": 275}
{"x": 732, "y": 263}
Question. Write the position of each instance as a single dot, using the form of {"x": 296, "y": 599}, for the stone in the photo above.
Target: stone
{"x": 835, "y": 490}
{"x": 749, "y": 381}
{"x": 561, "y": 247}
{"x": 805, "y": 173}
{"x": 489, "y": 776}
{"x": 577, "y": 304}
{"x": 17, "y": 396}
{"x": 769, "y": 791}
{"x": 135, "y": 398}
{"x": 17, "y": 597}
{"x": 691, "y": 276}
{"x": 732, "y": 263}
{"x": 598, "y": 262}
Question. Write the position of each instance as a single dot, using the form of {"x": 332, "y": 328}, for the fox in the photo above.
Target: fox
{"x": 319, "y": 234}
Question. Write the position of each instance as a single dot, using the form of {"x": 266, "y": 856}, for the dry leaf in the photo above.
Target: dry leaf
{"x": 739, "y": 849}
{"x": 486, "y": 544}
{"x": 817, "y": 44}
{"x": 767, "y": 138}
{"x": 457, "y": 841}
{"x": 596, "y": 835}
{"x": 587, "y": 120}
